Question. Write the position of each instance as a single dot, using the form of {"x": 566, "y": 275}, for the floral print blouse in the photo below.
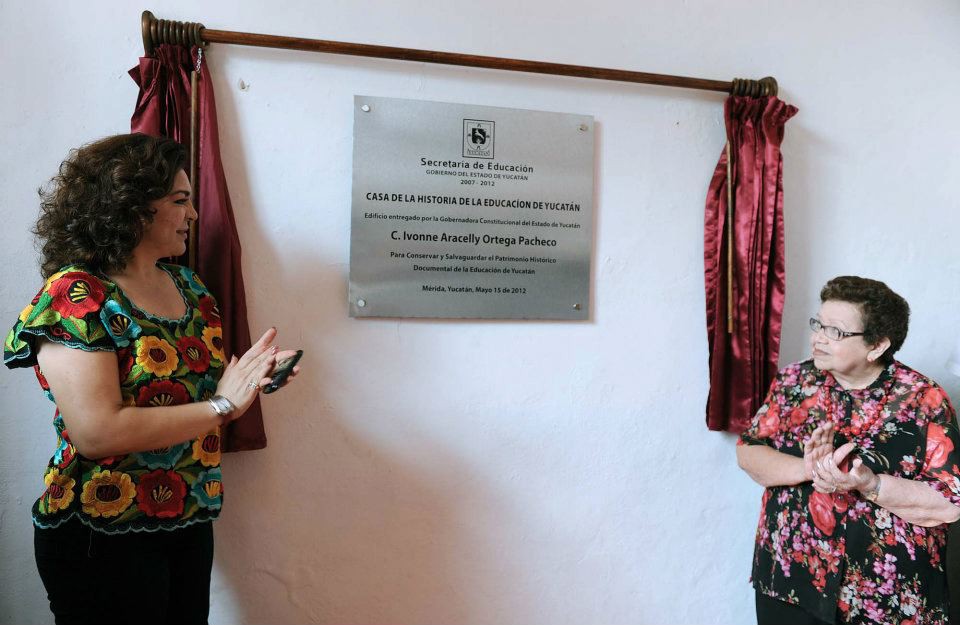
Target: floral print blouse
{"x": 161, "y": 362}
{"x": 839, "y": 556}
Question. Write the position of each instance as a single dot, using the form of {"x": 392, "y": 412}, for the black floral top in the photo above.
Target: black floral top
{"x": 839, "y": 556}
{"x": 161, "y": 362}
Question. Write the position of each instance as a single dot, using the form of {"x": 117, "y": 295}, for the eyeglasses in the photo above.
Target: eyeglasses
{"x": 831, "y": 332}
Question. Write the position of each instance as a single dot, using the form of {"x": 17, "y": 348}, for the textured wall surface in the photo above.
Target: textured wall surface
{"x": 502, "y": 472}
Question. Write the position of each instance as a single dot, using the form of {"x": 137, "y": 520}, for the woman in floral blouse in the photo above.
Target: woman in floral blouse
{"x": 859, "y": 457}
{"x": 131, "y": 351}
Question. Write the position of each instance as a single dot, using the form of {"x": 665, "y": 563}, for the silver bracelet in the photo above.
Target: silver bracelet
{"x": 222, "y": 406}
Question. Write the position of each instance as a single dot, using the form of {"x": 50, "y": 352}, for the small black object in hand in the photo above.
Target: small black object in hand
{"x": 282, "y": 372}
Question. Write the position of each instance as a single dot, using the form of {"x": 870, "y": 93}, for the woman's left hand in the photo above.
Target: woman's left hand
{"x": 817, "y": 448}
{"x": 828, "y": 477}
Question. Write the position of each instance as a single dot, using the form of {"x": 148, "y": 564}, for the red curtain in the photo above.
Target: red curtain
{"x": 744, "y": 362}
{"x": 163, "y": 108}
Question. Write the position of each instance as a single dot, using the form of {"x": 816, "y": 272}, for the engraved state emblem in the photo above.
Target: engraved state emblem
{"x": 478, "y": 138}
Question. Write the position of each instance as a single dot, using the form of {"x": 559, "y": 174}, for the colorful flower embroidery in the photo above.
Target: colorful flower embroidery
{"x": 193, "y": 282}
{"x": 65, "y": 452}
{"x": 59, "y": 493}
{"x": 209, "y": 310}
{"x": 206, "y": 388}
{"x": 206, "y": 449}
{"x": 194, "y": 353}
{"x": 160, "y": 494}
{"x": 156, "y": 356}
{"x": 164, "y": 458}
{"x": 108, "y": 462}
{"x": 163, "y": 393}
{"x": 125, "y": 362}
{"x": 213, "y": 339}
{"x": 25, "y": 313}
{"x": 53, "y": 278}
{"x": 107, "y": 494}
{"x": 160, "y": 362}
{"x": 120, "y": 326}
{"x": 42, "y": 379}
{"x": 208, "y": 489}
{"x": 75, "y": 294}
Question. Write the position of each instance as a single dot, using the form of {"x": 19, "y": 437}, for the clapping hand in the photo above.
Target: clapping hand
{"x": 817, "y": 449}
{"x": 829, "y": 477}
{"x": 823, "y": 463}
{"x": 244, "y": 377}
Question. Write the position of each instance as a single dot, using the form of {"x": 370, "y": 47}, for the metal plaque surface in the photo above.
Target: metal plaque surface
{"x": 466, "y": 211}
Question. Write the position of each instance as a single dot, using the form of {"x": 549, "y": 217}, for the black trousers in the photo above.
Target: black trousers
{"x": 772, "y": 611}
{"x": 138, "y": 577}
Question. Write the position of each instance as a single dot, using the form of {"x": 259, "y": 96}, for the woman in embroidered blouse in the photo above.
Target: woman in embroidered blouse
{"x": 858, "y": 454}
{"x": 131, "y": 349}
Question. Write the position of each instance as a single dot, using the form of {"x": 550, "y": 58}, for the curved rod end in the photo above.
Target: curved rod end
{"x": 754, "y": 88}
{"x": 146, "y": 20}
{"x": 770, "y": 86}
{"x": 156, "y": 32}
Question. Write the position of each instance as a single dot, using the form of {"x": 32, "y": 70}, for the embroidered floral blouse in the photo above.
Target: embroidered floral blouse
{"x": 161, "y": 362}
{"x": 839, "y": 556}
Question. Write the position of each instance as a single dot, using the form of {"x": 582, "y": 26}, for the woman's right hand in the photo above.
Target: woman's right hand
{"x": 817, "y": 449}
{"x": 242, "y": 377}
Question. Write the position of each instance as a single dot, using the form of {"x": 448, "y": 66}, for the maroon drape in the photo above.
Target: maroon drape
{"x": 743, "y": 364}
{"x": 163, "y": 108}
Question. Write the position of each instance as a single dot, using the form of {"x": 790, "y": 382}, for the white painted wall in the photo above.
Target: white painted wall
{"x": 498, "y": 472}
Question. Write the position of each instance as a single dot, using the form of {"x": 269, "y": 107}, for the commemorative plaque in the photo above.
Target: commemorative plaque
{"x": 466, "y": 211}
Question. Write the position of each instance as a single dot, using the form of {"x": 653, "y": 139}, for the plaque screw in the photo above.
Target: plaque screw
{"x": 576, "y": 306}
{"x": 361, "y": 302}
{"x": 583, "y": 127}
{"x": 365, "y": 108}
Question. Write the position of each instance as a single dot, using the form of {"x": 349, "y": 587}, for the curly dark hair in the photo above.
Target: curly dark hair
{"x": 94, "y": 210}
{"x": 884, "y": 313}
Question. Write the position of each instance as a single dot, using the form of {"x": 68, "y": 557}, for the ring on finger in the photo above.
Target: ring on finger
{"x": 253, "y": 384}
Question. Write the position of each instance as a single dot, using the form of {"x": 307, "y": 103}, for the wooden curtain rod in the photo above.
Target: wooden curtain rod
{"x": 156, "y": 32}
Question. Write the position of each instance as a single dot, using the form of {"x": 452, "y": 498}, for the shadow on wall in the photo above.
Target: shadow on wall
{"x": 802, "y": 218}
{"x": 326, "y": 525}
{"x": 338, "y": 531}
